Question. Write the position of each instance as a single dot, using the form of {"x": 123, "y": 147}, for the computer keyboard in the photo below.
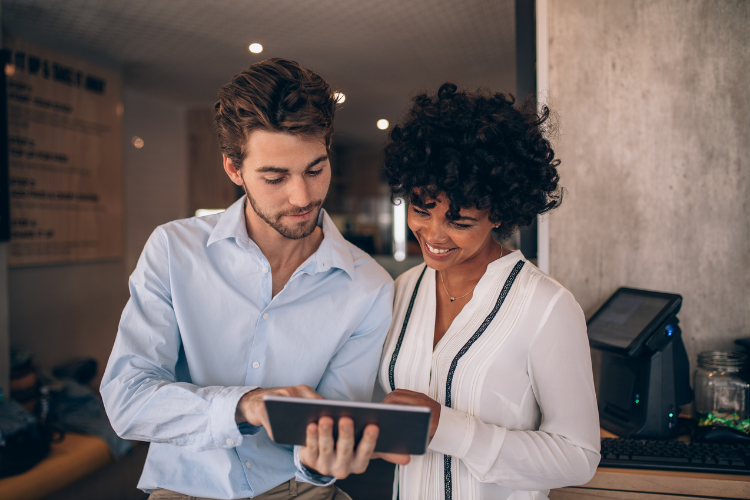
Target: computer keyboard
{"x": 717, "y": 458}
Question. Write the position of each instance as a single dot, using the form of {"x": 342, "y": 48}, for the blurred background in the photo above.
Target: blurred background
{"x": 651, "y": 99}
{"x": 174, "y": 56}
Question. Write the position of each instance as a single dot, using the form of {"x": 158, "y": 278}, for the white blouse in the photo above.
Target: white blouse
{"x": 522, "y": 416}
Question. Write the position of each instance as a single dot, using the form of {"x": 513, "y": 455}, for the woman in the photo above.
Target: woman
{"x": 493, "y": 346}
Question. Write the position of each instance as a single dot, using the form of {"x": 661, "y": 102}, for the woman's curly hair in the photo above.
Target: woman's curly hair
{"x": 480, "y": 151}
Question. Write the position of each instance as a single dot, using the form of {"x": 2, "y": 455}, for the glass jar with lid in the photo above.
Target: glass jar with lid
{"x": 721, "y": 391}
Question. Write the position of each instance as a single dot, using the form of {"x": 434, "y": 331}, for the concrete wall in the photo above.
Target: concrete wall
{"x": 655, "y": 122}
{"x": 68, "y": 311}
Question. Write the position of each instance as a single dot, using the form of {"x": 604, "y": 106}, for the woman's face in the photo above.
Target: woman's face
{"x": 447, "y": 243}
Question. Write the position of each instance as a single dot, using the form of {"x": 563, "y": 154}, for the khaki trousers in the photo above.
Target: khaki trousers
{"x": 288, "y": 490}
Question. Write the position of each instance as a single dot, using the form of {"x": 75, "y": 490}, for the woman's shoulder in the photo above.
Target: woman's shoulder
{"x": 545, "y": 287}
{"x": 410, "y": 277}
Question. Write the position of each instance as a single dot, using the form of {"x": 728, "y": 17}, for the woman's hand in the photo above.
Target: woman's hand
{"x": 406, "y": 397}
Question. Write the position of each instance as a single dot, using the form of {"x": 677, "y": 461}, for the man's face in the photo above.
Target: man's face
{"x": 286, "y": 178}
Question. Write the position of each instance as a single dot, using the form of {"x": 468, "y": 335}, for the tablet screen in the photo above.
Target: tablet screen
{"x": 624, "y": 318}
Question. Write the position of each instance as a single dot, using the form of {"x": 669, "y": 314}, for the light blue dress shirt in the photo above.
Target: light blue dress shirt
{"x": 201, "y": 329}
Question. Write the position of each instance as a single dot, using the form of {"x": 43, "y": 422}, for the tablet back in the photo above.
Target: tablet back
{"x": 403, "y": 429}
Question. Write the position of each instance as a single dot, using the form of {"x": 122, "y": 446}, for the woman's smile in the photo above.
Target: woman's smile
{"x": 438, "y": 252}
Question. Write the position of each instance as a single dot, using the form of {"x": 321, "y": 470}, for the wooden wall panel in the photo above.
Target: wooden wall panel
{"x": 65, "y": 145}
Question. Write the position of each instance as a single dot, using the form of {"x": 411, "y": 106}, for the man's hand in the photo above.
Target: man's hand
{"x": 341, "y": 459}
{"x": 406, "y": 397}
{"x": 252, "y": 409}
{"x": 320, "y": 452}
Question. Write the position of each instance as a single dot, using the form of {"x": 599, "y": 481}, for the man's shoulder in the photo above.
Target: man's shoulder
{"x": 366, "y": 269}
{"x": 190, "y": 231}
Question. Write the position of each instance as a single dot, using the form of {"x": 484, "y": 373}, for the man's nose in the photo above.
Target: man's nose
{"x": 299, "y": 192}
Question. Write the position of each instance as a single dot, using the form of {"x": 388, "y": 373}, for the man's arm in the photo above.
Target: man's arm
{"x": 350, "y": 375}
{"x": 139, "y": 388}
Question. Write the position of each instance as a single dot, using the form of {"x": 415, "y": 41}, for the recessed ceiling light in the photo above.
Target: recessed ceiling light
{"x": 137, "y": 142}
{"x": 383, "y": 124}
{"x": 255, "y": 48}
{"x": 340, "y": 97}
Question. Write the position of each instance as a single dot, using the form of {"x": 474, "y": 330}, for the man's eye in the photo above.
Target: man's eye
{"x": 274, "y": 181}
{"x": 314, "y": 173}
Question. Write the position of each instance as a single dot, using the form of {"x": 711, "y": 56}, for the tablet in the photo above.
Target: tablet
{"x": 403, "y": 429}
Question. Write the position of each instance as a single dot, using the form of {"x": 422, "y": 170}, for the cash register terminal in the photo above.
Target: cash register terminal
{"x": 645, "y": 375}
{"x": 644, "y": 379}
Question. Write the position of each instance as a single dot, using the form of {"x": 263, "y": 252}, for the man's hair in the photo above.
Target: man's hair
{"x": 276, "y": 95}
{"x": 479, "y": 150}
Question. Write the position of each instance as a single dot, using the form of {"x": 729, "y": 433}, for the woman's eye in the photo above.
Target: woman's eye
{"x": 460, "y": 226}
{"x": 420, "y": 212}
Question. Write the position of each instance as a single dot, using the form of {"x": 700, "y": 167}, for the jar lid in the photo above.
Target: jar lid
{"x": 722, "y": 360}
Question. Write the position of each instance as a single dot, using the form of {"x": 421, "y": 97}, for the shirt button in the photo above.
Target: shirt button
{"x": 265, "y": 315}
{"x": 256, "y": 364}
{"x": 265, "y": 270}
{"x": 230, "y": 442}
{"x": 248, "y": 464}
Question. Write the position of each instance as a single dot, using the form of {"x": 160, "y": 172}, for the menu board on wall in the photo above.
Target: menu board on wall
{"x": 65, "y": 158}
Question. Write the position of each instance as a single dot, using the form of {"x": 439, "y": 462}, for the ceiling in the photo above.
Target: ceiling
{"x": 378, "y": 52}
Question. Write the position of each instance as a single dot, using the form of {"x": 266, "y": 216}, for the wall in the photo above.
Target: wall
{"x": 655, "y": 118}
{"x": 156, "y": 176}
{"x": 63, "y": 312}
{"x": 209, "y": 185}
{"x": 4, "y": 332}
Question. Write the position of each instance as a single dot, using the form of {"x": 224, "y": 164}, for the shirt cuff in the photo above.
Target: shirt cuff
{"x": 249, "y": 429}
{"x": 308, "y": 476}
{"x": 454, "y": 433}
{"x": 222, "y": 415}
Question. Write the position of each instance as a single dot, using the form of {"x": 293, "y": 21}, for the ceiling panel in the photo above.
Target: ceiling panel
{"x": 377, "y": 52}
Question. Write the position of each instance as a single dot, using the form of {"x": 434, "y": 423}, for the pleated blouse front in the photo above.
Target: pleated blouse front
{"x": 521, "y": 417}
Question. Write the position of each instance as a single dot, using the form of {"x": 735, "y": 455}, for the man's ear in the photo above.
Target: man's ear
{"x": 232, "y": 171}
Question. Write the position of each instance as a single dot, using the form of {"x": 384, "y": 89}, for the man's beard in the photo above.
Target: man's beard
{"x": 295, "y": 231}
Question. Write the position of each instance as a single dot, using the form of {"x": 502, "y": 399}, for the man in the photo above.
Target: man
{"x": 265, "y": 298}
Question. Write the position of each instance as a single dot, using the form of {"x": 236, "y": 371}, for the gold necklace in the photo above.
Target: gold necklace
{"x": 449, "y": 294}
{"x": 464, "y": 295}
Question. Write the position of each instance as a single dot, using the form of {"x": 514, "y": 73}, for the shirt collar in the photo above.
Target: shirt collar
{"x": 231, "y": 225}
{"x": 334, "y": 250}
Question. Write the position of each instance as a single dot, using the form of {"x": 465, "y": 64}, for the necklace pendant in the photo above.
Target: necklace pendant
{"x": 452, "y": 299}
